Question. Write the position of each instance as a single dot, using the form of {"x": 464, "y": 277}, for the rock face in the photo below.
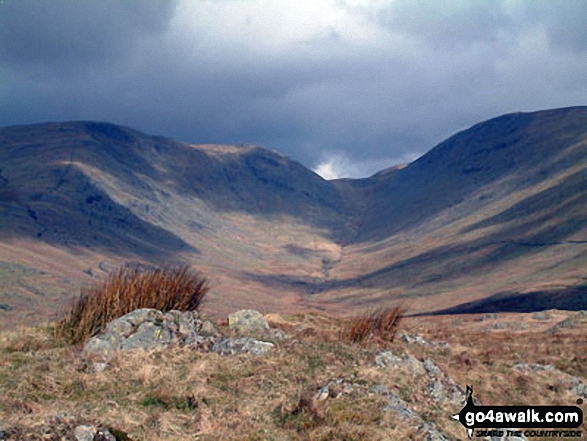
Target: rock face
{"x": 148, "y": 329}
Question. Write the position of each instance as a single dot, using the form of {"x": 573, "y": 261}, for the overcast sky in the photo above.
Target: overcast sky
{"x": 345, "y": 87}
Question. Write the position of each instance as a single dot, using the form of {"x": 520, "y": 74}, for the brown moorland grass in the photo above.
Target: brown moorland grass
{"x": 380, "y": 323}
{"x": 179, "y": 394}
{"x": 128, "y": 289}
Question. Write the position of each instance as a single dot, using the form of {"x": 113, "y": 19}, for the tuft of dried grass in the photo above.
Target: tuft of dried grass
{"x": 128, "y": 289}
{"x": 379, "y": 323}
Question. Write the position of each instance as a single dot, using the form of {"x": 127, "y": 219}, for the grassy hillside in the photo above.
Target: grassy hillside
{"x": 498, "y": 209}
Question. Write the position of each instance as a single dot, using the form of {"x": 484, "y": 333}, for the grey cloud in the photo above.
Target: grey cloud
{"x": 449, "y": 24}
{"x": 74, "y": 32}
{"x": 370, "y": 101}
{"x": 565, "y": 21}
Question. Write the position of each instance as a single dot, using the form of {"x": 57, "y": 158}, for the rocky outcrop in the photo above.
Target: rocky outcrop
{"x": 149, "y": 329}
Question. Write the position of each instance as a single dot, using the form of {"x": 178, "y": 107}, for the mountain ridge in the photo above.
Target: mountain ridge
{"x": 503, "y": 192}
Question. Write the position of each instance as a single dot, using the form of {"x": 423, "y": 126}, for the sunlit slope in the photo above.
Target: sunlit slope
{"x": 107, "y": 194}
{"x": 498, "y": 209}
{"x": 501, "y": 207}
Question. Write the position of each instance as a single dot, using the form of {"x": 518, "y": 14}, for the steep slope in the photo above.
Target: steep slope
{"x": 94, "y": 194}
{"x": 499, "y": 209}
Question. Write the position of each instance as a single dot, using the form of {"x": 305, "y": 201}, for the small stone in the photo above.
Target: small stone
{"x": 488, "y": 316}
{"x": 322, "y": 394}
{"x": 437, "y": 390}
{"x": 277, "y": 334}
{"x": 84, "y": 433}
{"x": 98, "y": 367}
{"x": 207, "y": 329}
{"x": 578, "y": 387}
{"x": 380, "y": 389}
{"x": 413, "y": 339}
{"x": 247, "y": 322}
{"x": 386, "y": 359}
{"x": 457, "y": 394}
{"x": 534, "y": 367}
{"x": 431, "y": 368}
{"x": 246, "y": 345}
{"x": 541, "y": 315}
{"x": 104, "y": 435}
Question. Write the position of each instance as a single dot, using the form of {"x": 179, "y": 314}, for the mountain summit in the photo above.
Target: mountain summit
{"x": 493, "y": 218}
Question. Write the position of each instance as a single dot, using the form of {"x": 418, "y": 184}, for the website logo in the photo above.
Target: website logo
{"x": 474, "y": 417}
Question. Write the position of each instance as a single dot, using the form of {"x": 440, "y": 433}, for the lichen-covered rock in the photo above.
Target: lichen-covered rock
{"x": 248, "y": 322}
{"x": 207, "y": 329}
{"x": 91, "y": 433}
{"x": 534, "y": 367}
{"x": 142, "y": 315}
{"x": 441, "y": 387}
{"x": 387, "y": 359}
{"x": 84, "y": 433}
{"x": 243, "y": 345}
{"x": 427, "y": 429}
{"x": 100, "y": 347}
{"x": 148, "y": 335}
{"x": 431, "y": 368}
{"x": 120, "y": 327}
{"x": 413, "y": 339}
{"x": 150, "y": 329}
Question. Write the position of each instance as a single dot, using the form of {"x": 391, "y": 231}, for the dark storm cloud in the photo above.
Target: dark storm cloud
{"x": 354, "y": 86}
{"x": 69, "y": 33}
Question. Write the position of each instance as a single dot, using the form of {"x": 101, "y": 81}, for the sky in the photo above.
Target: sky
{"x": 345, "y": 87}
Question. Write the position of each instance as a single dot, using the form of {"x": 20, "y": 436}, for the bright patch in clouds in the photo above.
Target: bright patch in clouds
{"x": 374, "y": 79}
{"x": 336, "y": 165}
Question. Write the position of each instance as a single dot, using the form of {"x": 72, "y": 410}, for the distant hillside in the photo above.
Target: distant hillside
{"x": 498, "y": 208}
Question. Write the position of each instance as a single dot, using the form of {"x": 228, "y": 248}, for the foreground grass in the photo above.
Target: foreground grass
{"x": 178, "y": 394}
{"x": 128, "y": 289}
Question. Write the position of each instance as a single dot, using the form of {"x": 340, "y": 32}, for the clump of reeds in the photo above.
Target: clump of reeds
{"x": 128, "y": 289}
{"x": 380, "y": 323}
